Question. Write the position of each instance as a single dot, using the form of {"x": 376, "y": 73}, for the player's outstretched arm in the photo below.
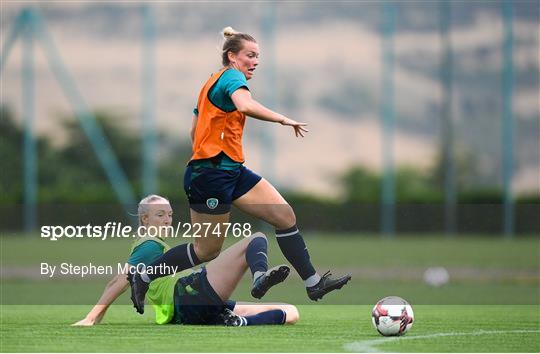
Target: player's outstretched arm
{"x": 246, "y": 104}
{"x": 112, "y": 291}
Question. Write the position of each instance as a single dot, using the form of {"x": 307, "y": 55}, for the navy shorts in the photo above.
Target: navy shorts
{"x": 212, "y": 190}
{"x": 196, "y": 302}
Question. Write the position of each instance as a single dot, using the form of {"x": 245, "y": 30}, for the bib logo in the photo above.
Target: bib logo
{"x": 212, "y": 203}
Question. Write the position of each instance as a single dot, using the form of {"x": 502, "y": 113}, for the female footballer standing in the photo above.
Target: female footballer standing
{"x": 216, "y": 178}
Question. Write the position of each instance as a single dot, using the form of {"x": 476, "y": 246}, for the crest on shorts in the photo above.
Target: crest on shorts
{"x": 212, "y": 203}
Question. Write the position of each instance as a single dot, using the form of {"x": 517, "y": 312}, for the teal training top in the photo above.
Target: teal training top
{"x": 146, "y": 253}
{"x": 220, "y": 94}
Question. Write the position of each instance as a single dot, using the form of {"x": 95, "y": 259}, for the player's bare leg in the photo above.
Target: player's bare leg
{"x": 252, "y": 308}
{"x": 265, "y": 202}
{"x": 224, "y": 272}
{"x": 211, "y": 234}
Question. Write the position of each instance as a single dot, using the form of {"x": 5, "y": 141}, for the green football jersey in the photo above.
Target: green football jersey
{"x": 161, "y": 291}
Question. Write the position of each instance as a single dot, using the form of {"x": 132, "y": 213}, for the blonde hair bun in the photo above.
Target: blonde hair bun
{"x": 228, "y": 32}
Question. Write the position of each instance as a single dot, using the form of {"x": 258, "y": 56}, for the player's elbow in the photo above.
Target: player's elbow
{"x": 293, "y": 315}
{"x": 244, "y": 106}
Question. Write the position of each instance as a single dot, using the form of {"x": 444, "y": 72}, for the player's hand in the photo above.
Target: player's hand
{"x": 299, "y": 128}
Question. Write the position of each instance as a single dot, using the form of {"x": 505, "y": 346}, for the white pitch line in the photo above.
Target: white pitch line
{"x": 368, "y": 346}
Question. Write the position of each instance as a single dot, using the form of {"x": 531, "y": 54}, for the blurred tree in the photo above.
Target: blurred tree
{"x": 73, "y": 172}
{"x": 11, "y": 155}
{"x": 173, "y": 160}
{"x": 11, "y": 137}
{"x": 70, "y": 172}
{"x": 471, "y": 183}
{"x": 125, "y": 144}
{"x": 412, "y": 186}
{"x": 360, "y": 185}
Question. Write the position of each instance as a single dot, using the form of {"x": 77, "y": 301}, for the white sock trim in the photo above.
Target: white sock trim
{"x": 189, "y": 256}
{"x": 312, "y": 280}
{"x": 145, "y": 277}
{"x": 287, "y": 234}
{"x": 264, "y": 254}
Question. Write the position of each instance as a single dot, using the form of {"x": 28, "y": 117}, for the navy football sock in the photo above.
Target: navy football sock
{"x": 272, "y": 317}
{"x": 256, "y": 255}
{"x": 182, "y": 256}
{"x": 294, "y": 249}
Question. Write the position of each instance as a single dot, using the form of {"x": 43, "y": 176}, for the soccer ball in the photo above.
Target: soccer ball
{"x": 392, "y": 316}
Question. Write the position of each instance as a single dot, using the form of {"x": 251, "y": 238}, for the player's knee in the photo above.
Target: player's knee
{"x": 206, "y": 254}
{"x": 209, "y": 255}
{"x": 293, "y": 315}
{"x": 285, "y": 217}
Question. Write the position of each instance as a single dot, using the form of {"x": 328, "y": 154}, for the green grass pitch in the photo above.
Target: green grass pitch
{"x": 332, "y": 328}
{"x": 492, "y": 303}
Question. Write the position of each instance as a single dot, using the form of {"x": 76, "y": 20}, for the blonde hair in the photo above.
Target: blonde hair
{"x": 233, "y": 43}
{"x": 228, "y": 32}
{"x": 142, "y": 209}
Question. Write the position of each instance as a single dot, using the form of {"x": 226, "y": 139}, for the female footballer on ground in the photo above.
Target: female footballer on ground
{"x": 200, "y": 297}
{"x": 216, "y": 178}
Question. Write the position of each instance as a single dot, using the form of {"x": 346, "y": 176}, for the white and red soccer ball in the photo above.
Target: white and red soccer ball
{"x": 392, "y": 316}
